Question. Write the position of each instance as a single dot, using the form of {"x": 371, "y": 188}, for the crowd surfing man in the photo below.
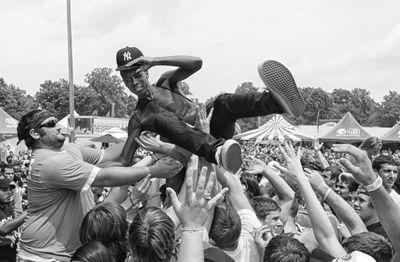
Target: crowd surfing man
{"x": 59, "y": 186}
{"x": 163, "y": 109}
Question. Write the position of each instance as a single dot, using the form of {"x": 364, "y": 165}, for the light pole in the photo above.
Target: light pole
{"x": 70, "y": 76}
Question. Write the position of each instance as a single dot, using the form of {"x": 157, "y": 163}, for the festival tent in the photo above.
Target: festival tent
{"x": 116, "y": 132}
{"x": 276, "y": 129}
{"x": 346, "y": 130}
{"x": 8, "y": 125}
{"x": 393, "y": 135}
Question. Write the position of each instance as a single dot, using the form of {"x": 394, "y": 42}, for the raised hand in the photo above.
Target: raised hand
{"x": 316, "y": 180}
{"x": 361, "y": 167}
{"x": 292, "y": 160}
{"x": 140, "y": 191}
{"x": 317, "y": 146}
{"x": 197, "y": 204}
{"x": 165, "y": 168}
{"x": 202, "y": 120}
{"x": 144, "y": 62}
{"x": 149, "y": 142}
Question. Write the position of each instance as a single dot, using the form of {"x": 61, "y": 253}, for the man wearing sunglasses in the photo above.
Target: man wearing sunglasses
{"x": 163, "y": 109}
{"x": 59, "y": 186}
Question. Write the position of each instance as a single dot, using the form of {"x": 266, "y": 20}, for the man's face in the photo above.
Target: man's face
{"x": 51, "y": 135}
{"x": 273, "y": 220}
{"x": 388, "y": 173}
{"x": 362, "y": 207}
{"x": 9, "y": 173}
{"x": 137, "y": 82}
{"x": 342, "y": 189}
{"x": 5, "y": 195}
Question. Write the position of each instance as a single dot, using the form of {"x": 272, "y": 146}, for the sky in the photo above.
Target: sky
{"x": 328, "y": 44}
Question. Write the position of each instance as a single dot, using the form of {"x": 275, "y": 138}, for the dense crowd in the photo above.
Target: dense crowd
{"x": 193, "y": 193}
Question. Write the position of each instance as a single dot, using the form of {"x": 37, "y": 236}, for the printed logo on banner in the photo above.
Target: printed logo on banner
{"x": 348, "y": 132}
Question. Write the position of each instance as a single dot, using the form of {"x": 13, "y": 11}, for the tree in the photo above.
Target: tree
{"x": 54, "y": 97}
{"x": 317, "y": 100}
{"x": 389, "y": 110}
{"x": 109, "y": 90}
{"x": 15, "y": 101}
{"x": 362, "y": 105}
{"x": 252, "y": 122}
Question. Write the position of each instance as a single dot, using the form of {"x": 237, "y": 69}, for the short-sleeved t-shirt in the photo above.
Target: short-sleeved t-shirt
{"x": 247, "y": 249}
{"x": 7, "y": 242}
{"x": 59, "y": 198}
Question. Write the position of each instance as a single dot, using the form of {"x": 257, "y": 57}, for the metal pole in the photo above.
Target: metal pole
{"x": 70, "y": 75}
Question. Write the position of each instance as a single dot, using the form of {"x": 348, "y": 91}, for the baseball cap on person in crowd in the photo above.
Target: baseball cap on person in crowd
{"x": 125, "y": 55}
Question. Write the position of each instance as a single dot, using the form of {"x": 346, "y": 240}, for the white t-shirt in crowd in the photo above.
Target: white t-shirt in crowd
{"x": 246, "y": 250}
{"x": 395, "y": 196}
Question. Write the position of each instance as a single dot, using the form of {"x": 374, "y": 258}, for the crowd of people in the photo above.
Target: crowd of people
{"x": 193, "y": 193}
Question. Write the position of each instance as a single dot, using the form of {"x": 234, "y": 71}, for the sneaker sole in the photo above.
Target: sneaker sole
{"x": 231, "y": 156}
{"x": 280, "y": 82}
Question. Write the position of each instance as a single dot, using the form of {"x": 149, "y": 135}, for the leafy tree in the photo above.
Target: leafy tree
{"x": 389, "y": 110}
{"x": 317, "y": 100}
{"x": 15, "y": 101}
{"x": 185, "y": 88}
{"x": 362, "y": 105}
{"x": 109, "y": 90}
{"x": 54, "y": 97}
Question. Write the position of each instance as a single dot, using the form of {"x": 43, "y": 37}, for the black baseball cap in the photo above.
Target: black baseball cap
{"x": 125, "y": 55}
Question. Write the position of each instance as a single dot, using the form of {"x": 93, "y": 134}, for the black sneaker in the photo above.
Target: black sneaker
{"x": 280, "y": 82}
{"x": 231, "y": 156}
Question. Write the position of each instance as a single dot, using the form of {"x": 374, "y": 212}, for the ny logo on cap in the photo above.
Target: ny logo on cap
{"x": 127, "y": 56}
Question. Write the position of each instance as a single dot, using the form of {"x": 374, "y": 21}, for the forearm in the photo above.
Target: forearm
{"x": 120, "y": 176}
{"x": 322, "y": 160}
{"x": 12, "y": 224}
{"x": 343, "y": 211}
{"x": 191, "y": 248}
{"x": 186, "y": 62}
{"x": 282, "y": 189}
{"x": 321, "y": 225}
{"x": 388, "y": 212}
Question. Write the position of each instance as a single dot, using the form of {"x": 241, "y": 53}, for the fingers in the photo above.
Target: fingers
{"x": 201, "y": 182}
{"x": 209, "y": 186}
{"x": 213, "y": 202}
{"x": 174, "y": 199}
{"x": 139, "y": 142}
{"x": 283, "y": 152}
{"x": 348, "y": 165}
{"x": 189, "y": 185}
{"x": 282, "y": 169}
{"x": 210, "y": 115}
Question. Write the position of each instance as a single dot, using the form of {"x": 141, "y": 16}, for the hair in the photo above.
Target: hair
{"x": 251, "y": 184}
{"x": 106, "y": 223}
{"x": 285, "y": 248}
{"x": 369, "y": 142}
{"x": 226, "y": 226}
{"x": 152, "y": 236}
{"x": 93, "y": 251}
{"x": 335, "y": 171}
{"x": 348, "y": 179}
{"x": 383, "y": 159}
{"x": 263, "y": 206}
{"x": 371, "y": 244}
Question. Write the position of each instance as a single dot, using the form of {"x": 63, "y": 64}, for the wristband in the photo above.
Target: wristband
{"x": 375, "y": 185}
{"x": 192, "y": 229}
{"x": 327, "y": 193}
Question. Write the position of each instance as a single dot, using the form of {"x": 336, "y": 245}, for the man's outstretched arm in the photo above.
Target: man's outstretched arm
{"x": 187, "y": 65}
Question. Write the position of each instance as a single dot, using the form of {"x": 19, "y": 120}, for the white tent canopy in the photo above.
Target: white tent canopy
{"x": 276, "y": 129}
{"x": 116, "y": 132}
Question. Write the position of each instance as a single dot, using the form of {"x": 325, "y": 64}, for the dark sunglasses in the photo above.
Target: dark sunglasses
{"x": 50, "y": 124}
